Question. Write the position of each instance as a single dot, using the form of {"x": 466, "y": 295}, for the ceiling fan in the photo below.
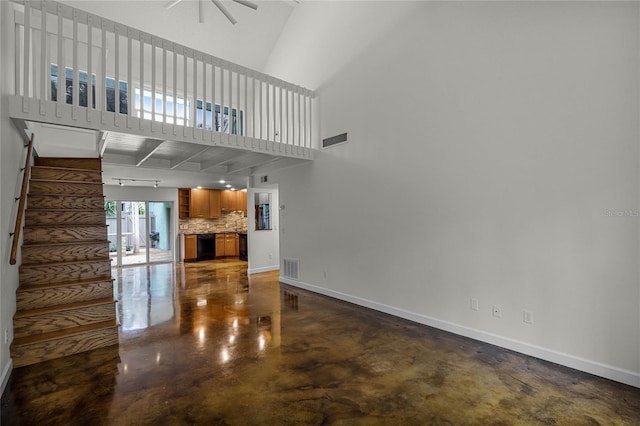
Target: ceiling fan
{"x": 219, "y": 5}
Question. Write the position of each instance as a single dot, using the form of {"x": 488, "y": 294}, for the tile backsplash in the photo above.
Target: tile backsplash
{"x": 234, "y": 221}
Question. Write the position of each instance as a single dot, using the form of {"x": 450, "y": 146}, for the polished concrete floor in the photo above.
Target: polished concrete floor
{"x": 205, "y": 344}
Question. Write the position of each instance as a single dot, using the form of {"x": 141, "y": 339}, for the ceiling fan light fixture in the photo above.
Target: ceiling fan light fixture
{"x": 247, "y": 3}
{"x": 224, "y": 11}
{"x": 171, "y": 3}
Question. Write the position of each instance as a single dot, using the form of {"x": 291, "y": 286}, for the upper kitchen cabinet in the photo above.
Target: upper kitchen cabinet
{"x": 199, "y": 203}
{"x": 233, "y": 201}
{"x": 242, "y": 202}
{"x": 184, "y": 203}
{"x": 228, "y": 201}
{"x": 214, "y": 203}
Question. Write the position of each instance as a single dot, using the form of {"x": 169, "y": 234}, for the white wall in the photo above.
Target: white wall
{"x": 11, "y": 160}
{"x": 264, "y": 245}
{"x": 492, "y": 148}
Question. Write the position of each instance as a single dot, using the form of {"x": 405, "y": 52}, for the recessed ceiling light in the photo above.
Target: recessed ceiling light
{"x": 228, "y": 186}
{"x": 198, "y": 187}
{"x": 222, "y": 180}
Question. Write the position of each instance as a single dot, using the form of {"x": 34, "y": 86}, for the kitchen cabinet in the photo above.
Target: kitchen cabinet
{"x": 220, "y": 245}
{"x": 233, "y": 201}
{"x": 242, "y": 202}
{"x": 184, "y": 203}
{"x": 214, "y": 203}
{"x": 231, "y": 244}
{"x": 199, "y": 204}
{"x": 228, "y": 201}
{"x": 227, "y": 245}
{"x": 190, "y": 247}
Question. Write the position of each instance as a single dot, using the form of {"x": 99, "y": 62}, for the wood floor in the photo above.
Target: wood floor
{"x": 205, "y": 344}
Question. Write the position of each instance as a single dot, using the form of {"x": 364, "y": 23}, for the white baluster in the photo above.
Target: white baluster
{"x": 44, "y": 72}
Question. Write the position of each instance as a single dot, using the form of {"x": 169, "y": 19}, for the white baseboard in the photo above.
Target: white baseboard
{"x": 263, "y": 269}
{"x": 592, "y": 367}
{"x": 6, "y": 373}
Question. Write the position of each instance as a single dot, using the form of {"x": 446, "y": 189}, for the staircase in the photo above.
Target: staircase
{"x": 65, "y": 299}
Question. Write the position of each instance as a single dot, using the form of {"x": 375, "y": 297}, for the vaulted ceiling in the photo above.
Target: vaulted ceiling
{"x": 248, "y": 43}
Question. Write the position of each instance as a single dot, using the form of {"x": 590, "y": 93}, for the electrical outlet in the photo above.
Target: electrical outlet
{"x": 527, "y": 316}
{"x": 475, "y": 305}
{"x": 497, "y": 312}
{"x": 270, "y": 256}
{"x": 6, "y": 336}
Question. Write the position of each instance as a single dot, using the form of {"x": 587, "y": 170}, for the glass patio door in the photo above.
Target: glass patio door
{"x": 139, "y": 232}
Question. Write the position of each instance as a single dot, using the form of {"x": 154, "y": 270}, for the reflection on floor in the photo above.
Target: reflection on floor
{"x": 205, "y": 344}
{"x": 155, "y": 255}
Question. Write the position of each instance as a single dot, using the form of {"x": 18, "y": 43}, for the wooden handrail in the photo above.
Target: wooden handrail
{"x": 21, "y": 201}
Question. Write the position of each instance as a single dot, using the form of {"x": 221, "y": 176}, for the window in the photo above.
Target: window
{"x": 146, "y": 111}
{"x": 83, "y": 87}
{"x": 237, "y": 120}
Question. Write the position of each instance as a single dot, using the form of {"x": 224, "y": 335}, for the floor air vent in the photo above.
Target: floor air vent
{"x": 290, "y": 267}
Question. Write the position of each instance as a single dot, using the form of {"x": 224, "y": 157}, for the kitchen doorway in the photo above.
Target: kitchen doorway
{"x": 139, "y": 232}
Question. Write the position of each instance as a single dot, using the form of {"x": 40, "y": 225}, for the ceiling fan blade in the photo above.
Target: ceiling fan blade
{"x": 248, "y": 4}
{"x": 172, "y": 3}
{"x": 224, "y": 11}
{"x": 200, "y": 12}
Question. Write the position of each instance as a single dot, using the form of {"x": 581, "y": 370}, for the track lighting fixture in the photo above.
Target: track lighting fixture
{"x": 156, "y": 182}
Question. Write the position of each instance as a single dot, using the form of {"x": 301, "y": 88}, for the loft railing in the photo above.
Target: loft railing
{"x": 109, "y": 72}
{"x": 22, "y": 199}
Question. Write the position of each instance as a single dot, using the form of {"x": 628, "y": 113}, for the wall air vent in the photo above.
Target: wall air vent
{"x": 326, "y": 143}
{"x": 264, "y": 179}
{"x": 290, "y": 268}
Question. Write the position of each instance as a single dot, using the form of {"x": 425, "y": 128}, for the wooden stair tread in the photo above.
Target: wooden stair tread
{"x": 65, "y": 181}
{"x": 38, "y": 210}
{"x": 65, "y": 307}
{"x": 66, "y": 262}
{"x": 75, "y": 169}
{"x": 66, "y": 283}
{"x": 64, "y": 225}
{"x": 38, "y": 338}
{"x": 65, "y": 243}
{"x": 64, "y": 195}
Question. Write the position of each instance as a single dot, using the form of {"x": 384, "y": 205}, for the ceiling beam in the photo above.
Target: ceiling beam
{"x": 221, "y": 160}
{"x": 177, "y": 163}
{"x": 151, "y": 147}
{"x": 250, "y": 163}
{"x": 103, "y": 141}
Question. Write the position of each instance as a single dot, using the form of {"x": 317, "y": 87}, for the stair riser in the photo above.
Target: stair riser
{"x": 64, "y": 218}
{"x": 64, "y": 174}
{"x": 34, "y": 298}
{"x": 48, "y": 187}
{"x": 61, "y": 235}
{"x": 42, "y": 351}
{"x": 44, "y": 254}
{"x": 57, "y": 321}
{"x": 46, "y": 274}
{"x": 55, "y": 202}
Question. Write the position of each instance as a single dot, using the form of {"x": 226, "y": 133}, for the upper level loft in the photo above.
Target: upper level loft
{"x": 152, "y": 103}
